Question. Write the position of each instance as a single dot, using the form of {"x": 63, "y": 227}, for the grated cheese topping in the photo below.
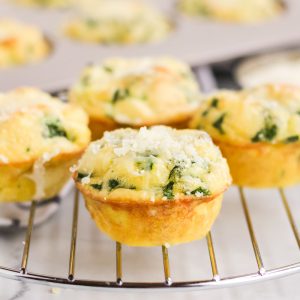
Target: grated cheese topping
{"x": 154, "y": 163}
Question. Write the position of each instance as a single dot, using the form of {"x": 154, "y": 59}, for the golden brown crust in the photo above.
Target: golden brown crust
{"x": 262, "y": 164}
{"x": 167, "y": 223}
{"x": 99, "y": 126}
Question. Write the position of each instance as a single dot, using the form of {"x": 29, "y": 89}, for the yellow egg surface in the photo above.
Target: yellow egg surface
{"x": 21, "y": 43}
{"x": 40, "y": 137}
{"x": 137, "y": 92}
{"x": 233, "y": 10}
{"x": 153, "y": 164}
{"x": 258, "y": 131}
{"x": 264, "y": 114}
{"x": 117, "y": 22}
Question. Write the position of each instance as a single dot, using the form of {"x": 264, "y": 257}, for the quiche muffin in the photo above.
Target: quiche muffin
{"x": 258, "y": 132}
{"x": 136, "y": 92}
{"x": 118, "y": 22}
{"x": 45, "y": 3}
{"x": 40, "y": 138}
{"x": 21, "y": 43}
{"x": 153, "y": 186}
{"x": 243, "y": 11}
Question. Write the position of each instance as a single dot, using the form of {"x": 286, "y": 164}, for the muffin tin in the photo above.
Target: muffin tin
{"x": 195, "y": 40}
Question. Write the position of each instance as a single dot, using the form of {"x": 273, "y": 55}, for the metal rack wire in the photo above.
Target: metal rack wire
{"x": 215, "y": 280}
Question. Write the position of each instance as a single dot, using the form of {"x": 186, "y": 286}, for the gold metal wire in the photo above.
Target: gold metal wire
{"x": 119, "y": 263}
{"x": 73, "y": 238}
{"x": 168, "y": 281}
{"x": 165, "y": 253}
{"x": 212, "y": 257}
{"x": 290, "y": 216}
{"x": 261, "y": 269}
{"x": 28, "y": 238}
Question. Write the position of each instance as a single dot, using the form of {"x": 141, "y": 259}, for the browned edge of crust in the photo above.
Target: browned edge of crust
{"x": 170, "y": 121}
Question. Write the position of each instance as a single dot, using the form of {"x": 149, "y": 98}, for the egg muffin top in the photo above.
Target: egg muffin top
{"x": 233, "y": 10}
{"x": 137, "y": 92}
{"x": 45, "y": 3}
{"x": 264, "y": 114}
{"x": 20, "y": 43}
{"x": 152, "y": 165}
{"x": 33, "y": 125}
{"x": 117, "y": 22}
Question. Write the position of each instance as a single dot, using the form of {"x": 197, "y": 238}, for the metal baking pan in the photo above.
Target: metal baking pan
{"x": 195, "y": 40}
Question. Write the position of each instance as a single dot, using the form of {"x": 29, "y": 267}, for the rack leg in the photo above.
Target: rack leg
{"x": 119, "y": 263}
{"x": 212, "y": 257}
{"x": 73, "y": 238}
{"x": 261, "y": 268}
{"x": 290, "y": 216}
{"x": 168, "y": 280}
{"x": 28, "y": 238}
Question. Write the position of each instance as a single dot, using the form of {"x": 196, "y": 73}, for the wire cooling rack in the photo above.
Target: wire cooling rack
{"x": 214, "y": 279}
